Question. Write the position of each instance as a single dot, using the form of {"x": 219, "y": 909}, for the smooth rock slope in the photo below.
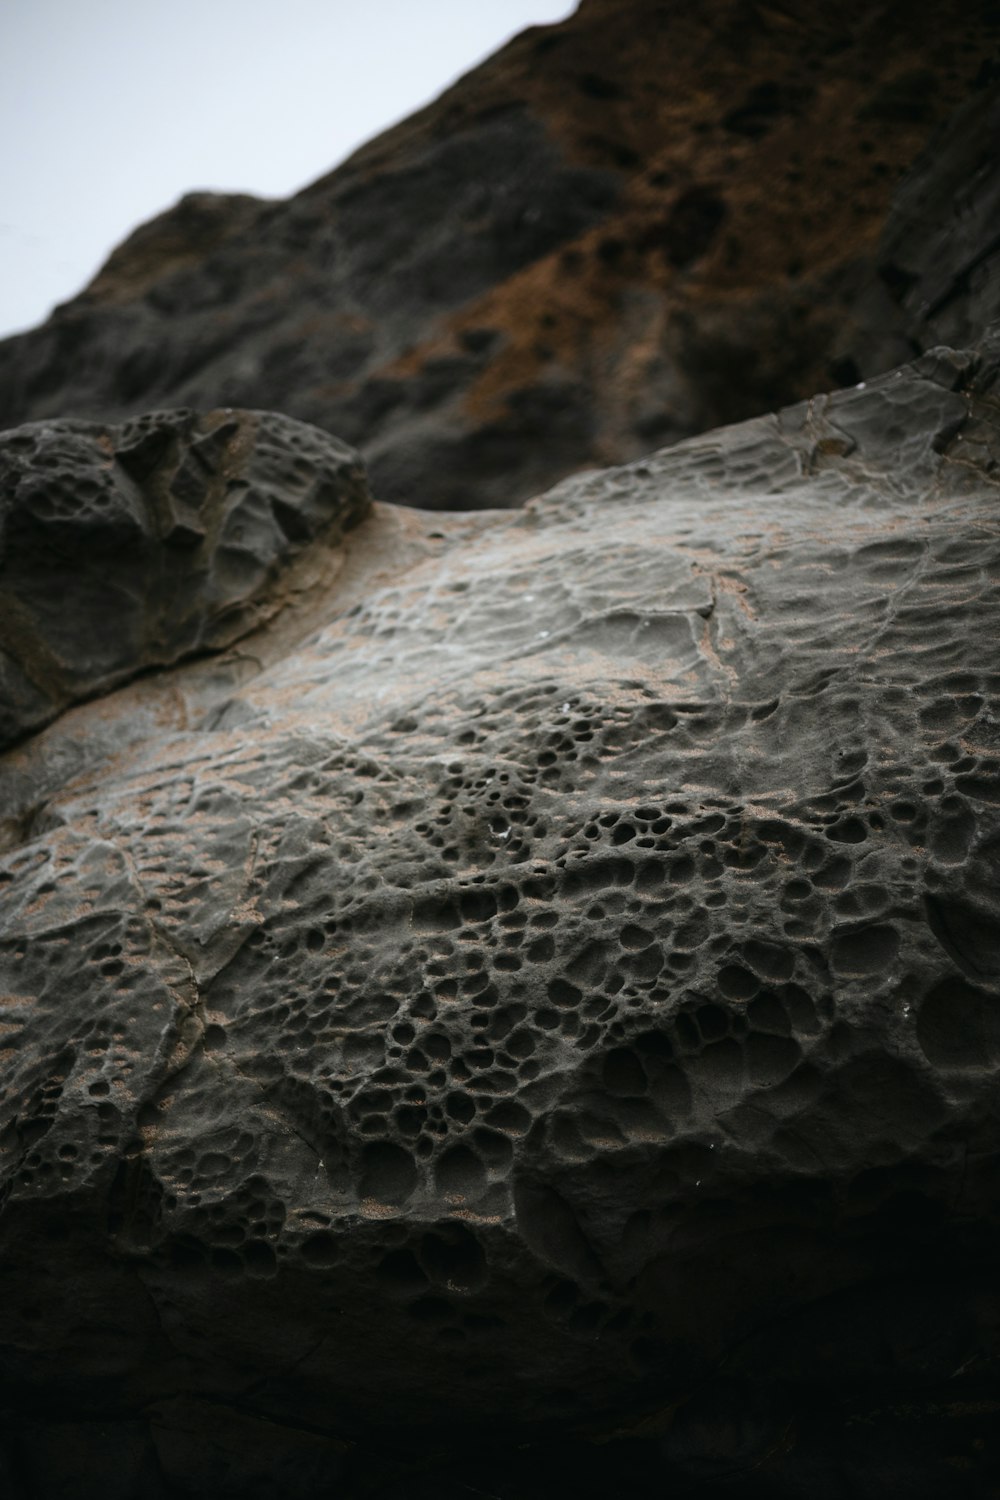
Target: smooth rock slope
{"x": 529, "y": 1014}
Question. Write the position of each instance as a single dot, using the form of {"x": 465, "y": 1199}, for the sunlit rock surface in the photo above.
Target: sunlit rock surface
{"x": 536, "y": 996}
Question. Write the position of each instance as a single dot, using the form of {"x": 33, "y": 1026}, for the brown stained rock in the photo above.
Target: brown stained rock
{"x": 619, "y": 231}
{"x": 540, "y": 1024}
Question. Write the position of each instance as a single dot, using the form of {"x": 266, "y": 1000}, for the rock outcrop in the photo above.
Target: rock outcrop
{"x": 528, "y": 1015}
{"x": 128, "y": 548}
{"x": 622, "y": 230}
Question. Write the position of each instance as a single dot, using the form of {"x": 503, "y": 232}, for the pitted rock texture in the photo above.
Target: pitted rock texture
{"x": 131, "y": 547}
{"x": 563, "y": 984}
{"x": 633, "y": 226}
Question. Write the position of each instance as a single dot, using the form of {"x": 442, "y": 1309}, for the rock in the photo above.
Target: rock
{"x": 569, "y": 258}
{"x": 530, "y": 1016}
{"x": 131, "y": 547}
{"x": 941, "y": 251}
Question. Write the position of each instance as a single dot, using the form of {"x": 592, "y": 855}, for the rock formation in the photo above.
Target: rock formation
{"x": 508, "y": 1002}
{"x": 526, "y": 1014}
{"x": 622, "y": 230}
{"x": 123, "y": 549}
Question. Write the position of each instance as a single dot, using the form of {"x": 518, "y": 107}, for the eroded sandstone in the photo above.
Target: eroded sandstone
{"x": 132, "y": 547}
{"x": 554, "y": 990}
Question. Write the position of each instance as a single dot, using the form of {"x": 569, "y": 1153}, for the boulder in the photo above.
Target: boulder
{"x": 528, "y": 1015}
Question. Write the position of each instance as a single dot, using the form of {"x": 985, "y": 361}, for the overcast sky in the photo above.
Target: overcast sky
{"x": 111, "y": 109}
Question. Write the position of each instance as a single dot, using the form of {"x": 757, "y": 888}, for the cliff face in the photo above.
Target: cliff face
{"x": 524, "y": 1019}
{"x": 619, "y": 231}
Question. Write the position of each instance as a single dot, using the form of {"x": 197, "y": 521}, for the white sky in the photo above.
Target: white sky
{"x": 111, "y": 109}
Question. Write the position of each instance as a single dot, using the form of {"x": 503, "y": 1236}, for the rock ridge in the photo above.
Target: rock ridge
{"x": 639, "y": 224}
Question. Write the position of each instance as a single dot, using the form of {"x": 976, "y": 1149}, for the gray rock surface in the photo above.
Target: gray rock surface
{"x": 549, "y": 978}
{"x": 131, "y": 547}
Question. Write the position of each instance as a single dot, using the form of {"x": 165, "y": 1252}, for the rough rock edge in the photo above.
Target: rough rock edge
{"x": 130, "y": 548}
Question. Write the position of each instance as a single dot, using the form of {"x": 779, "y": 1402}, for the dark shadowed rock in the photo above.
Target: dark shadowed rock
{"x": 531, "y": 1017}
{"x": 633, "y": 226}
{"x": 941, "y": 247}
{"x": 131, "y": 547}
